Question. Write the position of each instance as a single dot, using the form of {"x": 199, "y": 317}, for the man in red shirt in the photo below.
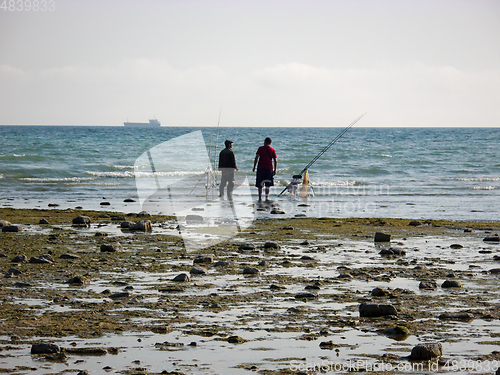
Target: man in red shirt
{"x": 265, "y": 156}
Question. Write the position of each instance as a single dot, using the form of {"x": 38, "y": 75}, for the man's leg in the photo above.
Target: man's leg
{"x": 260, "y": 193}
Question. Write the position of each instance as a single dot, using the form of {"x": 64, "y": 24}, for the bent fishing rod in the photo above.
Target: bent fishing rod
{"x": 325, "y": 149}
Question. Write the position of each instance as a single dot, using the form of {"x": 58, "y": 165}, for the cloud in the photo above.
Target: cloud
{"x": 291, "y": 94}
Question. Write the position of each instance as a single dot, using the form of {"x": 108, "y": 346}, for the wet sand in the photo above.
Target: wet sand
{"x": 287, "y": 304}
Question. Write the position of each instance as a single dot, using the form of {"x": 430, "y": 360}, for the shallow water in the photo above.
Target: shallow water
{"x": 270, "y": 344}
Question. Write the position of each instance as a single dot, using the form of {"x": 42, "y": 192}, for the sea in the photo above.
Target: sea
{"x": 414, "y": 173}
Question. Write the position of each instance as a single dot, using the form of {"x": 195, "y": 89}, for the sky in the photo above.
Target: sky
{"x": 308, "y": 63}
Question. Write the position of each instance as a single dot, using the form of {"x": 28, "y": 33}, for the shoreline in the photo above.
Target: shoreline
{"x": 279, "y": 288}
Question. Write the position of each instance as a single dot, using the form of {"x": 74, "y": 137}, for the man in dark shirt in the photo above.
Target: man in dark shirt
{"x": 227, "y": 164}
{"x": 266, "y": 157}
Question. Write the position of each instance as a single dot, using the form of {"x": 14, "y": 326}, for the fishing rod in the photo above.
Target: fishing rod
{"x": 325, "y": 149}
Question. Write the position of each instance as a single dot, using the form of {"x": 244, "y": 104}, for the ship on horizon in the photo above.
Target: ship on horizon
{"x": 154, "y": 123}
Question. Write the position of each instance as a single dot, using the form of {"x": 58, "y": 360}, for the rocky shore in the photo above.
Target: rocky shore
{"x": 376, "y": 292}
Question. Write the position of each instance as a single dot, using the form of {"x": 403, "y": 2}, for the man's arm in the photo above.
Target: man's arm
{"x": 275, "y": 165}
{"x": 255, "y": 162}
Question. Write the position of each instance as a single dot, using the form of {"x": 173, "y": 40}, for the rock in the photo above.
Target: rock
{"x": 379, "y": 292}
{"x": 306, "y": 296}
{"x": 119, "y": 295}
{"x": 457, "y": 316}
{"x": 327, "y": 344}
{"x": 494, "y": 238}
{"x": 101, "y": 234}
{"x": 203, "y": 259}
{"x": 250, "y": 271}
{"x": 12, "y": 228}
{"x": 397, "y": 331}
{"x": 375, "y": 310}
{"x": 451, "y": 284}
{"x": 43, "y": 222}
{"x": 22, "y": 285}
{"x": 181, "y": 277}
{"x": 415, "y": 223}
{"x": 141, "y": 226}
{"x": 197, "y": 271}
{"x": 53, "y": 205}
{"x": 129, "y": 200}
{"x": 42, "y": 259}
{"x": 111, "y": 248}
{"x": 425, "y": 352}
{"x": 496, "y": 257}
{"x": 495, "y": 271}
{"x": 456, "y": 246}
{"x": 4, "y": 223}
{"x": 271, "y": 245}
{"x": 246, "y": 246}
{"x": 382, "y": 237}
{"x": 105, "y": 204}
{"x": 305, "y": 243}
{"x": 277, "y": 211}
{"x": 19, "y": 259}
{"x": 277, "y": 287}
{"x": 221, "y": 263}
{"x": 82, "y": 221}
{"x": 69, "y": 256}
{"x": 42, "y": 348}
{"x": 393, "y": 251}
{"x": 235, "y": 340}
{"x": 144, "y": 214}
{"x": 428, "y": 284}
{"x": 127, "y": 224}
{"x": 78, "y": 280}
{"x": 118, "y": 218}
{"x": 195, "y": 218}
{"x": 12, "y": 272}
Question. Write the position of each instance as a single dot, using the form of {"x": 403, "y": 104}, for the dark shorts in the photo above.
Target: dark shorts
{"x": 264, "y": 178}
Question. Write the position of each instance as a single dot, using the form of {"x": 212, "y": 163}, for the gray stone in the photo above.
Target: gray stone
{"x": 40, "y": 260}
{"x": 119, "y": 295}
{"x": 393, "y": 251}
{"x": 12, "y": 228}
{"x": 127, "y": 224}
{"x": 379, "y": 292}
{"x": 456, "y": 246}
{"x": 271, "y": 245}
{"x": 247, "y": 246}
{"x": 306, "y": 295}
{"x": 250, "y": 271}
{"x": 428, "y": 284}
{"x": 415, "y": 223}
{"x": 371, "y": 310}
{"x": 43, "y": 222}
{"x": 82, "y": 221}
{"x": 465, "y": 316}
{"x": 42, "y": 348}
{"x": 494, "y": 238}
{"x": 451, "y": 284}
{"x": 181, "y": 277}
{"x": 425, "y": 352}
{"x": 382, "y": 237}
{"x": 197, "y": 271}
{"x": 203, "y": 259}
{"x": 77, "y": 280}
{"x": 141, "y": 226}
{"x": 20, "y": 259}
{"x": 111, "y": 248}
{"x": 69, "y": 256}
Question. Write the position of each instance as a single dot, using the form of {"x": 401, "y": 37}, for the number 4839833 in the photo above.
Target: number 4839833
{"x": 28, "y": 5}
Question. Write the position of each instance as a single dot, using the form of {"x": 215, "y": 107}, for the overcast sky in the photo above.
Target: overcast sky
{"x": 264, "y": 63}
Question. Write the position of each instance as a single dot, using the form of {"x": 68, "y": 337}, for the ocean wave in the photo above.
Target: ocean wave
{"x": 57, "y": 179}
{"x": 125, "y": 174}
{"x": 484, "y": 188}
{"x": 472, "y": 179}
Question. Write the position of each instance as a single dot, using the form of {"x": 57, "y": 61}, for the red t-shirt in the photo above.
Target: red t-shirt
{"x": 266, "y": 155}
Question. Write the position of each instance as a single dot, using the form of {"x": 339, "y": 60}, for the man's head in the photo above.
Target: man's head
{"x": 267, "y": 141}
{"x": 228, "y": 143}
